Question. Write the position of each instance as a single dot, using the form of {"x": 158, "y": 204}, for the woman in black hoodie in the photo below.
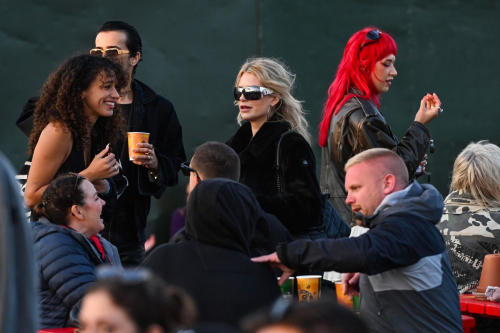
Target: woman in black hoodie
{"x": 213, "y": 264}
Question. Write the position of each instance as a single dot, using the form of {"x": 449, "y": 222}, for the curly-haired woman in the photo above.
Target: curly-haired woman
{"x": 77, "y": 121}
{"x": 352, "y": 122}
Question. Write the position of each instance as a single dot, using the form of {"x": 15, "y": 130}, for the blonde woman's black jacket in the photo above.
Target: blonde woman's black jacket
{"x": 359, "y": 126}
{"x": 298, "y": 207}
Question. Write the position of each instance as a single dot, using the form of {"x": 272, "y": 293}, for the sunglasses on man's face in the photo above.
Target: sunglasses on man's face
{"x": 251, "y": 93}
{"x": 111, "y": 52}
{"x": 371, "y": 36}
{"x": 186, "y": 170}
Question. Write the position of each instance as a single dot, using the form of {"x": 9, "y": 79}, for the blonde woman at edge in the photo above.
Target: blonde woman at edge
{"x": 267, "y": 110}
{"x": 471, "y": 220}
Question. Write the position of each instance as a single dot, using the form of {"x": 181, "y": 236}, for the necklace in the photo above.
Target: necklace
{"x": 127, "y": 91}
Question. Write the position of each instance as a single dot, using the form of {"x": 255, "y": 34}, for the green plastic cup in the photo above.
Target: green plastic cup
{"x": 355, "y": 303}
{"x": 287, "y": 289}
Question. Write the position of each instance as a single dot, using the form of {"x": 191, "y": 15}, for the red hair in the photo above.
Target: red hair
{"x": 354, "y": 72}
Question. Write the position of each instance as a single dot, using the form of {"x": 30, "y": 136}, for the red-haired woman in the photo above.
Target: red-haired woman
{"x": 352, "y": 122}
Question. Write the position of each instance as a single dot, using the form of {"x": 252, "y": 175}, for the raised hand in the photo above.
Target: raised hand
{"x": 104, "y": 165}
{"x": 273, "y": 261}
{"x": 430, "y": 108}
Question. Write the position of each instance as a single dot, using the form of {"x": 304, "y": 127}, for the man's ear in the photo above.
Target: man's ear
{"x": 135, "y": 59}
{"x": 389, "y": 184}
{"x": 77, "y": 212}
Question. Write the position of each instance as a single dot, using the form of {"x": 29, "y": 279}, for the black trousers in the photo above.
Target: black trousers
{"x": 132, "y": 255}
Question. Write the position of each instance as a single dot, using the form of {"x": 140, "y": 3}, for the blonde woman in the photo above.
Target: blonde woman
{"x": 471, "y": 220}
{"x": 267, "y": 110}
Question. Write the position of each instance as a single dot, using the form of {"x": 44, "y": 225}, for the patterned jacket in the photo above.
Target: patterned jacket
{"x": 470, "y": 231}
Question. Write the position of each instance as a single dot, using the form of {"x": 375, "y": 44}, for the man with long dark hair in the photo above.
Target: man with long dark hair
{"x": 145, "y": 111}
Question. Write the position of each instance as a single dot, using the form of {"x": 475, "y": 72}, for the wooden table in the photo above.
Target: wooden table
{"x": 483, "y": 308}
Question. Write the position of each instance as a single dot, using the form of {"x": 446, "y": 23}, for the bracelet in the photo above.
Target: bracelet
{"x": 109, "y": 188}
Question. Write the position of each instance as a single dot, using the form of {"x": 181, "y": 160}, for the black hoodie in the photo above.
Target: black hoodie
{"x": 213, "y": 264}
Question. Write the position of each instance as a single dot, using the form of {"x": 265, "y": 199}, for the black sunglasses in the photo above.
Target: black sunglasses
{"x": 186, "y": 170}
{"x": 371, "y": 36}
{"x": 251, "y": 93}
{"x": 126, "y": 276}
{"x": 77, "y": 179}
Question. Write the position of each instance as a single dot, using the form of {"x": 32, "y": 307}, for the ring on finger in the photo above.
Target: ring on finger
{"x": 149, "y": 158}
{"x": 440, "y": 110}
{"x": 116, "y": 167}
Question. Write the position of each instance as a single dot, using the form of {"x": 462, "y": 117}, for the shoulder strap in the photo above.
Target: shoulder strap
{"x": 279, "y": 180}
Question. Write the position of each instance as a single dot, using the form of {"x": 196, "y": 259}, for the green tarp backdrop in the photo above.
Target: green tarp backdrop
{"x": 192, "y": 51}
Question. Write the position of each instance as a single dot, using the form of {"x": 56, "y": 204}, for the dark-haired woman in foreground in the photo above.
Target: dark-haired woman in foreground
{"x": 352, "y": 122}
{"x": 134, "y": 301}
{"x": 76, "y": 124}
{"x": 68, "y": 247}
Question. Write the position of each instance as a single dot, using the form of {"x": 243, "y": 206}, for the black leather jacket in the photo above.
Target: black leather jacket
{"x": 359, "y": 126}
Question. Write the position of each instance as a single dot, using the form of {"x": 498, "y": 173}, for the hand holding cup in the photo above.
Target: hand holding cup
{"x": 141, "y": 152}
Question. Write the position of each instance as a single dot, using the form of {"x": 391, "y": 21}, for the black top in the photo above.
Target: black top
{"x": 124, "y": 214}
{"x": 155, "y": 115}
{"x": 213, "y": 265}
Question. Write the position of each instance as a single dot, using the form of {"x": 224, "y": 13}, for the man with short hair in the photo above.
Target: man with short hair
{"x": 145, "y": 111}
{"x": 212, "y": 160}
{"x": 218, "y": 160}
{"x": 405, "y": 280}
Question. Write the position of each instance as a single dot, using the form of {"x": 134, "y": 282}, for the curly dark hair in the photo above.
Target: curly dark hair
{"x": 61, "y": 101}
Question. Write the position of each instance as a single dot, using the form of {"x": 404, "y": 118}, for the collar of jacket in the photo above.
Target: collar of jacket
{"x": 79, "y": 237}
{"x": 268, "y": 134}
{"x": 142, "y": 96}
{"x": 373, "y": 220}
{"x": 368, "y": 107}
{"x": 142, "y": 93}
{"x": 461, "y": 198}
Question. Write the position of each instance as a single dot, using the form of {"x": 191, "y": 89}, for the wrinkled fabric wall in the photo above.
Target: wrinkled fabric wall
{"x": 193, "y": 50}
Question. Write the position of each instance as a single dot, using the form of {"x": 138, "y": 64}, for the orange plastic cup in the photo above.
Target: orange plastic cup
{"x": 133, "y": 139}
{"x": 309, "y": 287}
{"x": 341, "y": 298}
